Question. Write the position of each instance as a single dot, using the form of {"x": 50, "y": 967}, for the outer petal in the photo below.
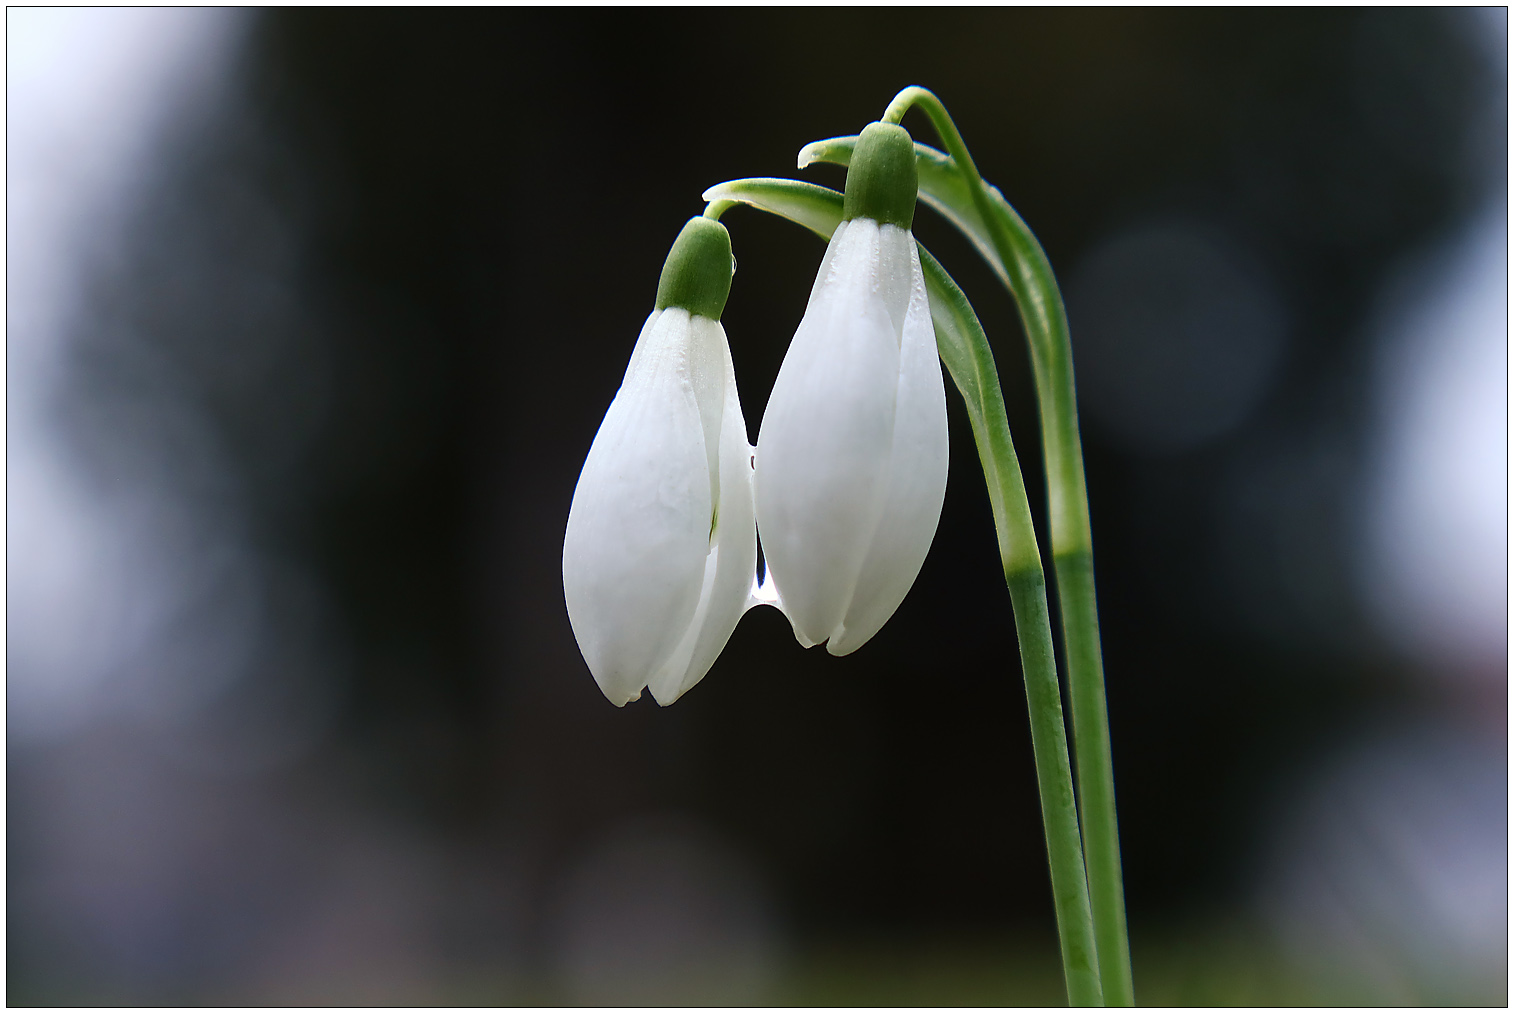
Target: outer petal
{"x": 823, "y": 456}
{"x": 917, "y": 472}
{"x": 639, "y": 529}
{"x": 732, "y": 560}
{"x": 824, "y": 439}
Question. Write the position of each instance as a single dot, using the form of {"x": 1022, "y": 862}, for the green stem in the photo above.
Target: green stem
{"x": 965, "y": 350}
{"x": 1034, "y": 286}
{"x": 1048, "y": 736}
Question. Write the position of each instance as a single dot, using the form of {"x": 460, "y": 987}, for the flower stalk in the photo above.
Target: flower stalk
{"x": 969, "y": 359}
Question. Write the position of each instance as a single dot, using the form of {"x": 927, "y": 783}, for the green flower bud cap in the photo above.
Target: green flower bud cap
{"x": 881, "y": 183}
{"x": 697, "y": 274}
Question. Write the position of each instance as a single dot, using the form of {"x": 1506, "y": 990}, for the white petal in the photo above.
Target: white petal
{"x": 732, "y": 562}
{"x": 917, "y": 472}
{"x": 824, "y": 451}
{"x": 638, "y": 531}
{"x": 709, "y": 358}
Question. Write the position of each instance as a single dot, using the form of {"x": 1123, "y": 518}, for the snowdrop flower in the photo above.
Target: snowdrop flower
{"x": 851, "y": 459}
{"x": 661, "y": 546}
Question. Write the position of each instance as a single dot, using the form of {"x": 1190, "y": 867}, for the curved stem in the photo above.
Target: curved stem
{"x": 897, "y": 108}
{"x": 1031, "y": 281}
{"x": 969, "y": 360}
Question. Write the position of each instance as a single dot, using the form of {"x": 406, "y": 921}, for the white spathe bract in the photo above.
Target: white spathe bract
{"x": 661, "y": 545}
{"x": 851, "y": 460}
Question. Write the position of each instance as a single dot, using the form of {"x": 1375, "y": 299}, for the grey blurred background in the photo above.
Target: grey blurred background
{"x": 312, "y": 316}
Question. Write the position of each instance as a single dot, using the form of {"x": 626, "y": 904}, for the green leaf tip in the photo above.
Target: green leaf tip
{"x": 697, "y": 274}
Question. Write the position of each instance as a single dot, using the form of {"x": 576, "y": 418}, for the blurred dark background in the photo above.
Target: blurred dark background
{"x": 313, "y": 315}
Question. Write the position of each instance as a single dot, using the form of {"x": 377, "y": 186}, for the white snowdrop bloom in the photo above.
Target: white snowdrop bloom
{"x": 852, "y": 456}
{"x": 661, "y": 548}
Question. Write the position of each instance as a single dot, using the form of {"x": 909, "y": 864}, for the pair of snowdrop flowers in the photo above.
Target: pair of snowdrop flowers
{"x": 844, "y": 486}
